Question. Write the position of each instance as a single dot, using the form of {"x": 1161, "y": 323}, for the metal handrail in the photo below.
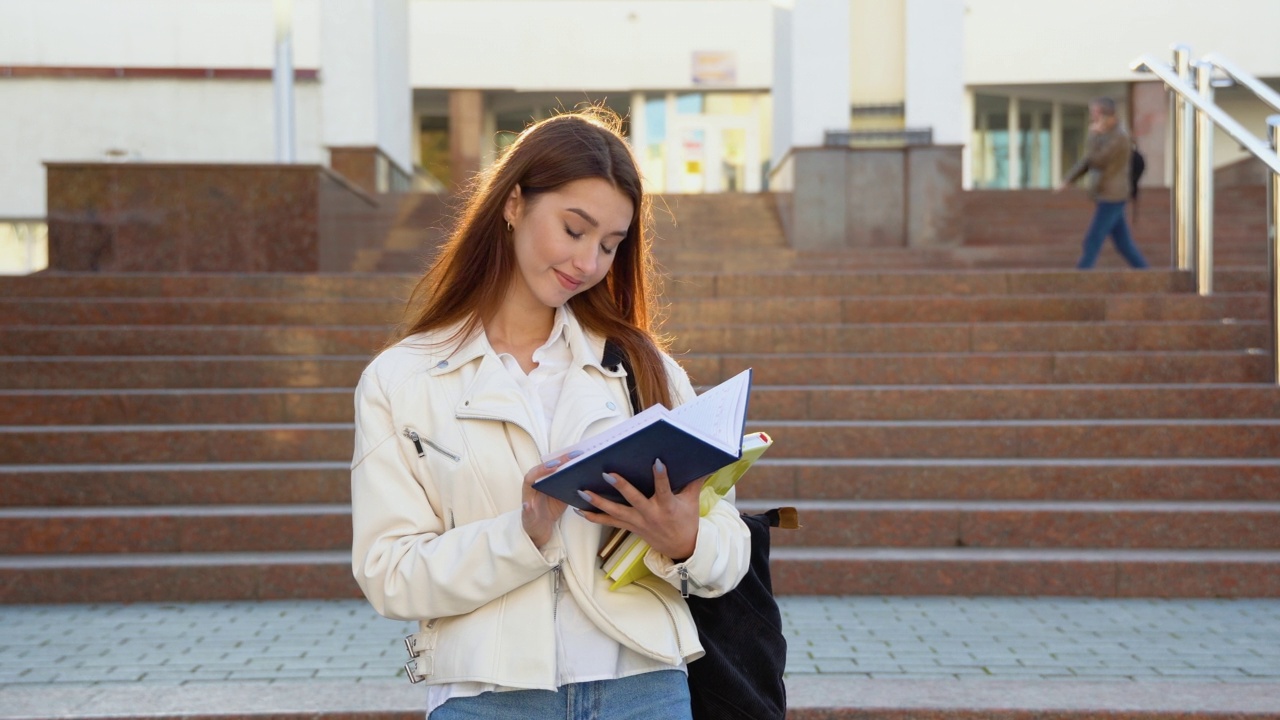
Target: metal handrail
{"x": 1207, "y": 115}
{"x": 1248, "y": 140}
{"x": 1243, "y": 77}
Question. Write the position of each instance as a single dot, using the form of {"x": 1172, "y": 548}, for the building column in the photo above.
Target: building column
{"x": 1015, "y": 144}
{"x": 466, "y": 131}
{"x": 935, "y": 93}
{"x": 1055, "y": 140}
{"x": 811, "y": 73}
{"x": 1149, "y": 118}
{"x": 366, "y": 101}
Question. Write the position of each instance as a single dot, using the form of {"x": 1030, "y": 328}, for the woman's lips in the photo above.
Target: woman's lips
{"x": 568, "y": 282}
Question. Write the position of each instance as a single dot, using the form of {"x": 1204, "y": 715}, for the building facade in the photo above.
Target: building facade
{"x": 715, "y": 93}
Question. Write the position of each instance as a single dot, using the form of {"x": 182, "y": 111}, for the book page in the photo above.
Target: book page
{"x": 719, "y": 414}
{"x": 613, "y": 434}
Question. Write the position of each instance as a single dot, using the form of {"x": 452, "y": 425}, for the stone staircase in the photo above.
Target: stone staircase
{"x": 187, "y": 437}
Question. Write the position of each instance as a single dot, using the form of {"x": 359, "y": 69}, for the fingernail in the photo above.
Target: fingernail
{"x": 553, "y": 463}
{"x": 584, "y": 496}
{"x": 524, "y": 506}
{"x": 574, "y": 454}
{"x": 610, "y": 479}
{"x": 580, "y": 513}
{"x": 658, "y": 466}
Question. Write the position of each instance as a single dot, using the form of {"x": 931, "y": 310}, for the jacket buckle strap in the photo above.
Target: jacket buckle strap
{"x": 419, "y": 668}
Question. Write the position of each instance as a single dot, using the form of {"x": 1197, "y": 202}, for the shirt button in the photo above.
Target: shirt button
{"x": 610, "y": 405}
{"x": 442, "y": 364}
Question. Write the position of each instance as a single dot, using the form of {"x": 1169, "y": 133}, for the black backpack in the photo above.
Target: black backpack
{"x": 1137, "y": 166}
{"x": 740, "y": 677}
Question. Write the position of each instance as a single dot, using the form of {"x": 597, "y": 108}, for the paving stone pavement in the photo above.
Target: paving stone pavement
{"x": 906, "y": 638}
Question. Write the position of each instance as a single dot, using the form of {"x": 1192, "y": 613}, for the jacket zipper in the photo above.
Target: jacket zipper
{"x": 555, "y": 592}
{"x": 419, "y": 440}
{"x": 684, "y": 581}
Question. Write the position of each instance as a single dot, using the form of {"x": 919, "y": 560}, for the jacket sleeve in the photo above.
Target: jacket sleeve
{"x": 1100, "y": 153}
{"x": 403, "y": 559}
{"x": 722, "y": 552}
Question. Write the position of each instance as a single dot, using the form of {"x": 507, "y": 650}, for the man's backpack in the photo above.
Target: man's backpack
{"x": 1137, "y": 166}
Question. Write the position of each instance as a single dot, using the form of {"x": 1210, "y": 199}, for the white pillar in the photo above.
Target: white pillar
{"x": 1055, "y": 144}
{"x": 282, "y": 82}
{"x": 1015, "y": 142}
{"x": 366, "y": 100}
{"x": 811, "y": 73}
{"x": 639, "y": 127}
{"x": 935, "y": 93}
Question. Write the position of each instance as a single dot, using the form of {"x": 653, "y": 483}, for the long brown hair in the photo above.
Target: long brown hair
{"x": 469, "y": 278}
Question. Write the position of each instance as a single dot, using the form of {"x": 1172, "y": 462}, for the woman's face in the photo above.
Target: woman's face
{"x": 565, "y": 240}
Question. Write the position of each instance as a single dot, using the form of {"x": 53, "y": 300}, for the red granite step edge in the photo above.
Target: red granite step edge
{"x": 201, "y": 577}
{"x": 183, "y": 340}
{"x": 965, "y": 337}
{"x": 691, "y": 284}
{"x": 1193, "y": 479}
{"x": 846, "y": 524}
{"x": 172, "y": 484}
{"x": 1257, "y": 438}
{"x": 1008, "y": 572}
{"x": 1186, "y": 479}
{"x": 991, "y": 524}
{"x": 92, "y": 372}
{"x": 768, "y": 403}
{"x": 175, "y": 529}
{"x": 904, "y": 309}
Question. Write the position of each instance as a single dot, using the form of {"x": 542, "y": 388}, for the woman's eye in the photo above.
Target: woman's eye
{"x": 607, "y": 250}
{"x": 572, "y": 234}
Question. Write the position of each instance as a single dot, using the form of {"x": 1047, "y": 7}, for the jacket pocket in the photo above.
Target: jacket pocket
{"x": 421, "y": 444}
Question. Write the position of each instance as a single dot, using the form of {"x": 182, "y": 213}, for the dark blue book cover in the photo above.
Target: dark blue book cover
{"x": 687, "y": 458}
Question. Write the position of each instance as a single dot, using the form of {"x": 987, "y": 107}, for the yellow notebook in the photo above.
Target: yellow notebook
{"x": 624, "y": 559}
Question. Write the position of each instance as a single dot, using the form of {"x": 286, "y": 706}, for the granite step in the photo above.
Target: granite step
{"x": 1014, "y": 572}
{"x": 677, "y": 283}
{"x": 843, "y": 523}
{"x": 802, "y": 479}
{"x": 714, "y": 310}
{"x": 923, "y": 368}
{"x": 186, "y": 340}
{"x": 206, "y": 577}
{"x": 767, "y": 402}
{"x": 1039, "y": 368}
{"x": 309, "y": 442}
{"x": 1025, "y": 524}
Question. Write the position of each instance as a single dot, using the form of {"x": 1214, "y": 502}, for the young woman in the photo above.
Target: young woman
{"x": 498, "y": 364}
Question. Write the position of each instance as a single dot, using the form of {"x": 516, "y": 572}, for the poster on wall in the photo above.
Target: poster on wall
{"x": 714, "y": 68}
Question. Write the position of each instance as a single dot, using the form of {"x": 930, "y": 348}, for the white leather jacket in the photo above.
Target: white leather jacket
{"x": 441, "y": 449}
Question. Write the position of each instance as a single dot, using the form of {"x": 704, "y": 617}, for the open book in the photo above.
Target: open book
{"x": 622, "y": 555}
{"x": 693, "y": 440}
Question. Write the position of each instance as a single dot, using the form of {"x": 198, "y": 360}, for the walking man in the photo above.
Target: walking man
{"x": 1106, "y": 159}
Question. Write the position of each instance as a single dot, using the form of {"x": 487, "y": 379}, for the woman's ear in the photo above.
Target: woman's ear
{"x": 514, "y": 206}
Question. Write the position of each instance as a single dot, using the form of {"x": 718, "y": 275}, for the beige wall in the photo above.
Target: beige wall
{"x": 878, "y": 46}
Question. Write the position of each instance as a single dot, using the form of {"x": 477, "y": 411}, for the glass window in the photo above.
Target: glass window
{"x": 989, "y": 155}
{"x": 1035, "y": 141}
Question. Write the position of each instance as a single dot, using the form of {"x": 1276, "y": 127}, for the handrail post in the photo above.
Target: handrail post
{"x": 1180, "y": 241}
{"x": 1203, "y": 164}
{"x": 1273, "y": 246}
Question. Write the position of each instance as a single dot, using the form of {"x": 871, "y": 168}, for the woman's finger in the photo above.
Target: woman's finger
{"x": 661, "y": 480}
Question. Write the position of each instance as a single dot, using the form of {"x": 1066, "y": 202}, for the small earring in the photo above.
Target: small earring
{"x": 509, "y": 227}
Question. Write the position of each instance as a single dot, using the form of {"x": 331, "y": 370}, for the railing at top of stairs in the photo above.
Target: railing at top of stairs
{"x": 1194, "y": 115}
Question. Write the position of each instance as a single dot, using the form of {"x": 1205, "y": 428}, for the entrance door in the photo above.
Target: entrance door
{"x": 713, "y": 153}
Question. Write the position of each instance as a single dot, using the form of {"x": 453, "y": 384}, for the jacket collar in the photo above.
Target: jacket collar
{"x": 587, "y": 348}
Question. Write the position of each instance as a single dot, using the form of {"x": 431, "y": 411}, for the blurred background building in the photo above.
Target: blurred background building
{"x": 402, "y": 95}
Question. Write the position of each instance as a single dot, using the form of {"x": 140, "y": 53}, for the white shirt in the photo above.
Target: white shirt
{"x": 583, "y": 652}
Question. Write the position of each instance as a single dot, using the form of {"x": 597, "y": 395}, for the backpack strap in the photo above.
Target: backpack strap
{"x": 614, "y": 357}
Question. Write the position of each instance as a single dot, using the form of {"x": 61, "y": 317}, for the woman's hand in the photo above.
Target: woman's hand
{"x": 540, "y": 510}
{"x": 667, "y": 521}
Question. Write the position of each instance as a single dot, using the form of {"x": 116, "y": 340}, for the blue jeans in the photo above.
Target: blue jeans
{"x": 661, "y": 695}
{"x": 1108, "y": 219}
